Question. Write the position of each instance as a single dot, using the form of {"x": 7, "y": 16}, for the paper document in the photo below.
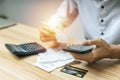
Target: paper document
{"x": 53, "y": 59}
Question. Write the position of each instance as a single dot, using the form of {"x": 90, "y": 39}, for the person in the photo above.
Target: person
{"x": 100, "y": 21}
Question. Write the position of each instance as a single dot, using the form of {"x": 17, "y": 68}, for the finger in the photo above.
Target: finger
{"x": 48, "y": 29}
{"x": 47, "y": 36}
{"x": 97, "y": 42}
{"x": 69, "y": 44}
{"x": 46, "y": 33}
{"x": 85, "y": 57}
{"x": 44, "y": 38}
{"x": 87, "y": 42}
{"x": 47, "y": 39}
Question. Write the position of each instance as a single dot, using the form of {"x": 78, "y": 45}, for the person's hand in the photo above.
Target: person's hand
{"x": 102, "y": 50}
{"x": 48, "y": 35}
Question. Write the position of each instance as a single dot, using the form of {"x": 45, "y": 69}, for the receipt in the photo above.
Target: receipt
{"x": 53, "y": 59}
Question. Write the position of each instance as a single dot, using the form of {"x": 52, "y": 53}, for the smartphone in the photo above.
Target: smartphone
{"x": 78, "y": 49}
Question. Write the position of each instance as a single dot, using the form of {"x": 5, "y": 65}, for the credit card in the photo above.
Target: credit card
{"x": 74, "y": 71}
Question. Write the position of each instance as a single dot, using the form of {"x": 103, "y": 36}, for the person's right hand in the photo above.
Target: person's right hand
{"x": 47, "y": 34}
{"x": 102, "y": 50}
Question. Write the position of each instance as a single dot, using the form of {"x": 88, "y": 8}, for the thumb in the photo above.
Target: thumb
{"x": 97, "y": 42}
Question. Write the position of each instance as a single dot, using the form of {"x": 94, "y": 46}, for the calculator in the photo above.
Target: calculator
{"x": 25, "y": 49}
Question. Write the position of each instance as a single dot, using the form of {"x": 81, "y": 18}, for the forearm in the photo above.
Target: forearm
{"x": 65, "y": 15}
{"x": 115, "y": 52}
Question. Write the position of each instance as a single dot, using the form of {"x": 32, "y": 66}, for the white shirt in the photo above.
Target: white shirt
{"x": 100, "y": 18}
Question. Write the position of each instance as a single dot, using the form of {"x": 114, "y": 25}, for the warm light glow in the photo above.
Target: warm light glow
{"x": 54, "y": 22}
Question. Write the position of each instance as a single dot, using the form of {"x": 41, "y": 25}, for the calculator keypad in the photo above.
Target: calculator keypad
{"x": 32, "y": 47}
{"x": 25, "y": 49}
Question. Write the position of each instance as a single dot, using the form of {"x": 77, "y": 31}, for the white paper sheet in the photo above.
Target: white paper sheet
{"x": 53, "y": 59}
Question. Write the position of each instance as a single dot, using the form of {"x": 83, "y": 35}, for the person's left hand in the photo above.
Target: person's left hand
{"x": 102, "y": 50}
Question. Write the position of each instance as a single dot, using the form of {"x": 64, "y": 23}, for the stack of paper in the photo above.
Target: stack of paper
{"x": 53, "y": 59}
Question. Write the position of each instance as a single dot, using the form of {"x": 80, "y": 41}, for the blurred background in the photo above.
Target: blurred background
{"x": 30, "y": 12}
{"x": 33, "y": 12}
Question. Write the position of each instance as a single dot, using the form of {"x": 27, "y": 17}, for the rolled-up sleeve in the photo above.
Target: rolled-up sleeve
{"x": 65, "y": 15}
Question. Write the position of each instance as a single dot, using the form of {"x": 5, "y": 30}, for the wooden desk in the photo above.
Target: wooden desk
{"x": 13, "y": 68}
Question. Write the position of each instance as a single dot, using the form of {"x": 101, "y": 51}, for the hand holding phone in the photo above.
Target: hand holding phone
{"x": 81, "y": 49}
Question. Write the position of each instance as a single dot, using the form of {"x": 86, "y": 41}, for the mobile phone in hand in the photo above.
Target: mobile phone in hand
{"x": 81, "y": 49}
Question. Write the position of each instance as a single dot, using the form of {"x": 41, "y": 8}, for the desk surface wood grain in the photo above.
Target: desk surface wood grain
{"x": 14, "y": 68}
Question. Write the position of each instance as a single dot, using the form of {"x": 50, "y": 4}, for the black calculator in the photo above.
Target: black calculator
{"x": 25, "y": 49}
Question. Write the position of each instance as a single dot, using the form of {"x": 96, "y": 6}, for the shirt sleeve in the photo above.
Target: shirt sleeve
{"x": 65, "y": 15}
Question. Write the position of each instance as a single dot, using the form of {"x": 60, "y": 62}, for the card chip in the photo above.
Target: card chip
{"x": 74, "y": 71}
